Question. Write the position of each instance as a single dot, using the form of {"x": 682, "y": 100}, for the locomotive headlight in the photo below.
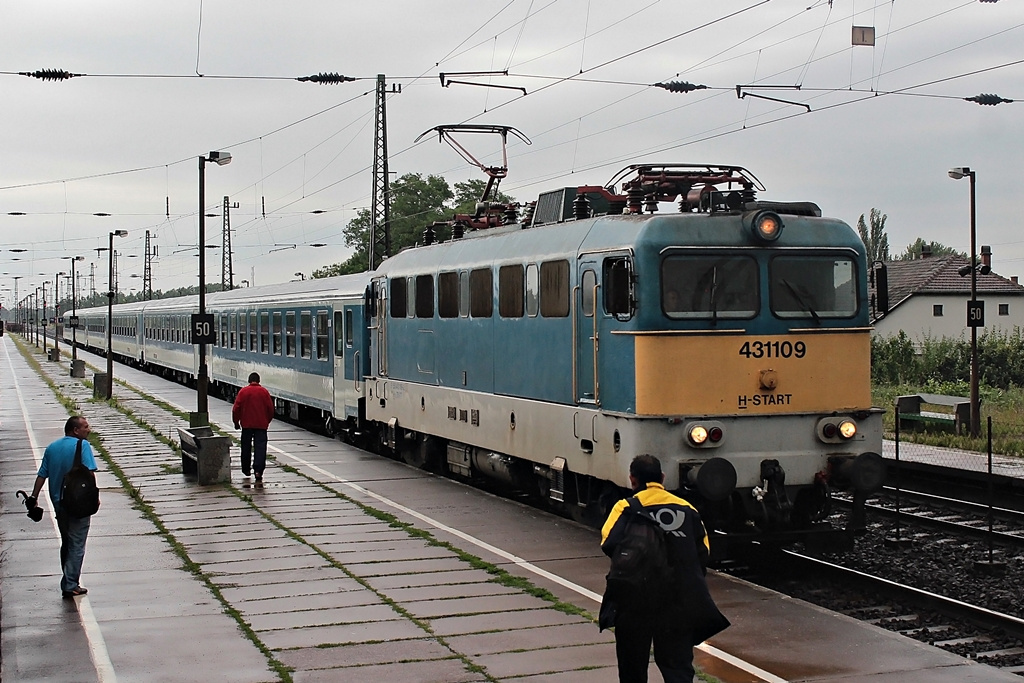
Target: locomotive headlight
{"x": 698, "y": 434}
{"x": 767, "y": 226}
{"x": 705, "y": 434}
{"x": 837, "y": 429}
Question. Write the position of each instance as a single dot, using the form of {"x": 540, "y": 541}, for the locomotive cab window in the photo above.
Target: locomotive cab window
{"x": 709, "y": 286}
{"x": 532, "y": 290}
{"x": 587, "y": 284}
{"x": 813, "y": 286}
{"x": 618, "y": 283}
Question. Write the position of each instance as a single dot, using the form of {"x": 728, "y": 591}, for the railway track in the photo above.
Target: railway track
{"x": 933, "y": 573}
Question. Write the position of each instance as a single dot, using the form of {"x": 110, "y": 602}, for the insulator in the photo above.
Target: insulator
{"x": 988, "y": 99}
{"x": 680, "y": 86}
{"x": 616, "y": 207}
{"x": 458, "y": 230}
{"x": 651, "y": 203}
{"x": 428, "y": 235}
{"x": 581, "y": 207}
{"x": 326, "y": 78}
{"x": 635, "y": 198}
{"x": 528, "y": 213}
{"x": 49, "y": 74}
{"x": 511, "y": 214}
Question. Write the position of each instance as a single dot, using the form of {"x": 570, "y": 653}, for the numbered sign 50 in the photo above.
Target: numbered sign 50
{"x": 202, "y": 328}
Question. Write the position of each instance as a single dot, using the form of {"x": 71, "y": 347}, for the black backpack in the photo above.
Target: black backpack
{"x": 642, "y": 559}
{"x": 79, "y": 495}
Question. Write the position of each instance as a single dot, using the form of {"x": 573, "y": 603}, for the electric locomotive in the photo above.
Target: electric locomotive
{"x": 730, "y": 339}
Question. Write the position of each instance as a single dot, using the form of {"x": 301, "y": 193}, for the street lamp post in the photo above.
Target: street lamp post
{"x": 74, "y": 326}
{"x": 975, "y": 314}
{"x": 202, "y": 325}
{"x": 35, "y": 316}
{"x": 56, "y": 316}
{"x": 110, "y": 314}
{"x": 44, "y": 314}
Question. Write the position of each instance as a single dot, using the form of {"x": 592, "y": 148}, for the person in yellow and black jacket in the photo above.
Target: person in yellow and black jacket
{"x": 675, "y": 611}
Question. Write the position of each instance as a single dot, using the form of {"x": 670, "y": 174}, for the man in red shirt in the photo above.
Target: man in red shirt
{"x": 252, "y": 412}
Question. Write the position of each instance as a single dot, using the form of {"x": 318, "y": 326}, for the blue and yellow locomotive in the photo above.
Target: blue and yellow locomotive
{"x": 729, "y": 338}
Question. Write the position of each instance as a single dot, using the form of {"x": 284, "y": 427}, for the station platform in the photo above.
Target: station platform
{"x": 342, "y": 566}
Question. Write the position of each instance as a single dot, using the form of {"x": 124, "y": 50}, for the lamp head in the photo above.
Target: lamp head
{"x": 120, "y": 233}
{"x": 959, "y": 172}
{"x": 219, "y": 158}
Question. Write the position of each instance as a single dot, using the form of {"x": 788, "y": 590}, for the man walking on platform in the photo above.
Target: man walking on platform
{"x": 57, "y": 461}
{"x": 656, "y": 590}
{"x": 252, "y": 412}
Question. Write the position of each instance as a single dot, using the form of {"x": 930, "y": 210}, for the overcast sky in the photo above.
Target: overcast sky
{"x": 885, "y": 122}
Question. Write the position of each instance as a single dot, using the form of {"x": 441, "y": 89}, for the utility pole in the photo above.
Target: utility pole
{"x": 147, "y": 272}
{"x": 380, "y": 211}
{"x": 227, "y": 273}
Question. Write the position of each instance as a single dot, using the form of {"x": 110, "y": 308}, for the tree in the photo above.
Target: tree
{"x": 416, "y": 202}
{"x": 875, "y": 240}
{"x": 913, "y": 251}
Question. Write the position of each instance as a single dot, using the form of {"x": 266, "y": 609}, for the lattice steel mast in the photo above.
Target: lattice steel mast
{"x": 380, "y": 211}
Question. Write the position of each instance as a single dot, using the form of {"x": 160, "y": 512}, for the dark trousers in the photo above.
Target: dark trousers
{"x": 635, "y": 630}
{"x": 73, "y": 534}
{"x": 254, "y": 450}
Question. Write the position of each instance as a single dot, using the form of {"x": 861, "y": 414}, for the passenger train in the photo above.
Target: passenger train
{"x": 729, "y": 337}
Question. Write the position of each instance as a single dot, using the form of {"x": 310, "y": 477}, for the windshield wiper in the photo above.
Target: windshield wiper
{"x": 714, "y": 291}
{"x": 800, "y": 300}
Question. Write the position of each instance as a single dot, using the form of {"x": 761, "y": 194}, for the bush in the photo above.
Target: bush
{"x": 896, "y": 361}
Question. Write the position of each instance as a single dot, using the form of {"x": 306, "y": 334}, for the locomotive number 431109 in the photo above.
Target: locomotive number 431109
{"x": 773, "y": 349}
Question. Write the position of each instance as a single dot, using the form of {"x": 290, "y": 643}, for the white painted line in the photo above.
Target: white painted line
{"x": 97, "y": 646}
{"x": 518, "y": 561}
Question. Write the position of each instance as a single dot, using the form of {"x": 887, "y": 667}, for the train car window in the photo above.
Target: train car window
{"x": 481, "y": 293}
{"x": 322, "y": 341}
{"x": 448, "y": 295}
{"x": 264, "y": 332}
{"x": 243, "y": 335}
{"x": 424, "y": 296}
{"x": 813, "y": 286}
{"x": 349, "y": 329}
{"x": 339, "y": 338}
{"x": 510, "y": 291}
{"x": 709, "y": 287}
{"x": 275, "y": 330}
{"x": 464, "y": 294}
{"x": 532, "y": 290}
{"x": 223, "y": 330}
{"x": 306, "y": 334}
{"x": 289, "y": 333}
{"x": 253, "y": 333}
{"x": 399, "y": 297}
{"x": 554, "y": 289}
{"x": 232, "y": 331}
{"x": 587, "y": 284}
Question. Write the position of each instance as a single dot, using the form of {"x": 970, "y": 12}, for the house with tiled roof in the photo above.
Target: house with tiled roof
{"x": 928, "y": 299}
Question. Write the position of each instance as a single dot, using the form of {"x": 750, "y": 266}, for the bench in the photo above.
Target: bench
{"x": 204, "y": 455}
{"x": 912, "y": 417}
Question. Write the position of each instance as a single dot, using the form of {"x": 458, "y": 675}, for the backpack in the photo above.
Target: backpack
{"x": 79, "y": 495}
{"x": 642, "y": 559}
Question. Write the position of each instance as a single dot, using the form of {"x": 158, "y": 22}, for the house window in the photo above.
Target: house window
{"x": 937, "y": 310}
{"x": 1004, "y": 309}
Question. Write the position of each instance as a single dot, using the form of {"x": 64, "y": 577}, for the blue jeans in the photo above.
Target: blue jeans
{"x": 73, "y": 533}
{"x": 254, "y": 450}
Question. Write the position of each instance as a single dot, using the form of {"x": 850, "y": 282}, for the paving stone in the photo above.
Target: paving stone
{"x": 361, "y": 654}
{"x": 480, "y": 623}
{"x": 433, "y": 578}
{"x": 458, "y": 590}
{"x": 553, "y": 660}
{"x": 306, "y": 602}
{"x": 323, "y": 617}
{"x": 242, "y": 591}
{"x": 583, "y": 633}
{"x": 250, "y": 566}
{"x": 486, "y": 604}
{"x": 366, "y": 569}
{"x": 449, "y": 670}
{"x": 378, "y": 631}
